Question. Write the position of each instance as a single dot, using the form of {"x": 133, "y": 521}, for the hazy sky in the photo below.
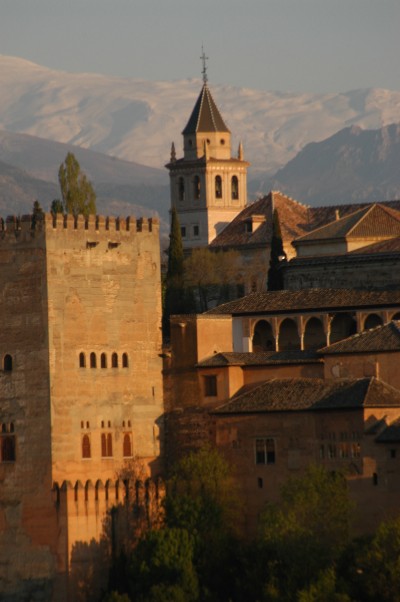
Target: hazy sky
{"x": 286, "y": 45}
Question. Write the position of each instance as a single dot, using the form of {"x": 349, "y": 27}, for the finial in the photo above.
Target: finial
{"x": 204, "y": 58}
{"x": 173, "y": 153}
{"x": 240, "y": 151}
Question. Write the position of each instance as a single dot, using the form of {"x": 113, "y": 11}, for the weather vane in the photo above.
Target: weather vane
{"x": 204, "y": 58}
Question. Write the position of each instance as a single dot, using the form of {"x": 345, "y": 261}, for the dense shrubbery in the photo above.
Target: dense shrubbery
{"x": 304, "y": 552}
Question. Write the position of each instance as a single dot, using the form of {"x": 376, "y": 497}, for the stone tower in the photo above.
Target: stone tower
{"x": 80, "y": 386}
{"x": 208, "y": 185}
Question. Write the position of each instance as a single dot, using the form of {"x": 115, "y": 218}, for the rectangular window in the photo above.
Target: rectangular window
{"x": 183, "y": 231}
{"x": 210, "y": 386}
{"x": 265, "y": 451}
{"x": 196, "y": 231}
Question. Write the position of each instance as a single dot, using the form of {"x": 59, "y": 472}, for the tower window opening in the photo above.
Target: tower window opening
{"x": 218, "y": 187}
{"x": 103, "y": 360}
{"x": 181, "y": 189}
{"x": 7, "y": 443}
{"x": 235, "y": 188}
{"x": 127, "y": 446}
{"x": 125, "y": 362}
{"x": 82, "y": 360}
{"x": 114, "y": 360}
{"x": 196, "y": 187}
{"x": 86, "y": 451}
{"x": 106, "y": 445}
{"x": 7, "y": 363}
{"x": 93, "y": 360}
{"x": 222, "y": 141}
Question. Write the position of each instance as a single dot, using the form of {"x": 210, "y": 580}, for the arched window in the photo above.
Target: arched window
{"x": 7, "y": 363}
{"x": 314, "y": 335}
{"x": 125, "y": 360}
{"x": 103, "y": 360}
{"x": 114, "y": 360}
{"x": 106, "y": 445}
{"x": 218, "y": 187}
{"x": 288, "y": 335}
{"x": 396, "y": 316}
{"x": 181, "y": 189}
{"x": 93, "y": 360}
{"x": 263, "y": 338}
{"x": 235, "y": 188}
{"x": 196, "y": 187}
{"x": 82, "y": 360}
{"x": 372, "y": 321}
{"x": 86, "y": 451}
{"x": 127, "y": 446}
{"x": 343, "y": 325}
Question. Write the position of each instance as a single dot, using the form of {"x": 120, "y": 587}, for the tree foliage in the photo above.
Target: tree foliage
{"x": 77, "y": 192}
{"x": 309, "y": 528}
{"x": 211, "y": 274}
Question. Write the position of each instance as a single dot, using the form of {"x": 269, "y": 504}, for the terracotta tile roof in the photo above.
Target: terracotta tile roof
{"x": 205, "y": 116}
{"x": 292, "y": 217}
{"x": 384, "y": 246}
{"x": 298, "y": 394}
{"x": 391, "y": 434}
{"x": 375, "y": 220}
{"x": 319, "y": 216}
{"x": 295, "y": 220}
{"x": 287, "y": 301}
{"x": 259, "y": 359}
{"x": 381, "y": 338}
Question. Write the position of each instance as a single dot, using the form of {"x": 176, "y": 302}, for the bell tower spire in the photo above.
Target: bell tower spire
{"x": 208, "y": 185}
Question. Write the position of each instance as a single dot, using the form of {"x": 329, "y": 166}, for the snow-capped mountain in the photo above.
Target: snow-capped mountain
{"x": 136, "y": 120}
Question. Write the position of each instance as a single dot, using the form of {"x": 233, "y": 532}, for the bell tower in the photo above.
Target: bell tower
{"x": 208, "y": 185}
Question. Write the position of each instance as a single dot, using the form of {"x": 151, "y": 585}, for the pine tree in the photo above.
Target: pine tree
{"x": 275, "y": 279}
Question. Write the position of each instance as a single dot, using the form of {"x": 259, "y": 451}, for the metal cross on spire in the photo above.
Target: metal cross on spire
{"x": 204, "y": 58}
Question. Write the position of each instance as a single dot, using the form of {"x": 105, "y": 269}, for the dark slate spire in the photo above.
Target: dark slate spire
{"x": 205, "y": 116}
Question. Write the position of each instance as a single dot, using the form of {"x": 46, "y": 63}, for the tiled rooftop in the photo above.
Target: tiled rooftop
{"x": 292, "y": 217}
{"x": 307, "y": 300}
{"x": 296, "y": 220}
{"x": 375, "y": 220}
{"x": 381, "y": 338}
{"x": 297, "y": 394}
{"x": 259, "y": 359}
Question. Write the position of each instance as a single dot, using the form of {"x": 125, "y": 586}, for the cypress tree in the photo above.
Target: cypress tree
{"x": 174, "y": 297}
{"x": 275, "y": 279}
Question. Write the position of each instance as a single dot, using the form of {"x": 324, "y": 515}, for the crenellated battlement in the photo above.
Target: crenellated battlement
{"x": 21, "y": 226}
